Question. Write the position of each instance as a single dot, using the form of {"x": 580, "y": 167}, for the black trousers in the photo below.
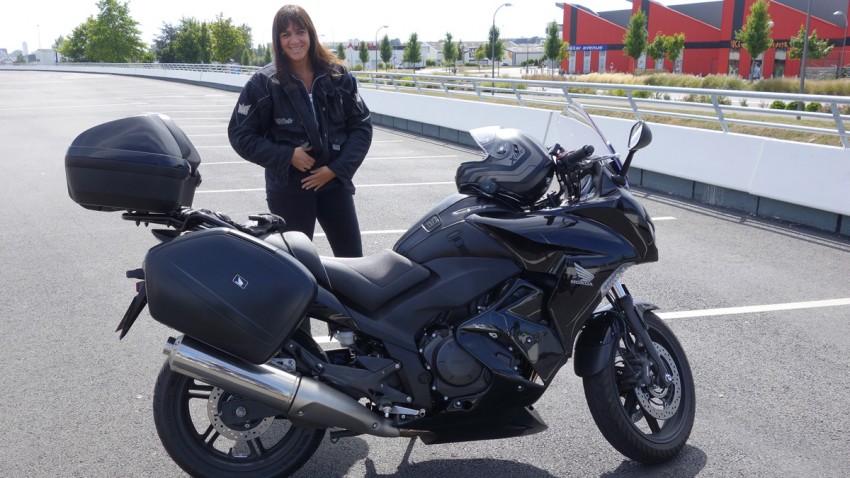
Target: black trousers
{"x": 331, "y": 205}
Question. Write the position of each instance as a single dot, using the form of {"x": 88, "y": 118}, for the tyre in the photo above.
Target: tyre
{"x": 208, "y": 431}
{"x": 647, "y": 423}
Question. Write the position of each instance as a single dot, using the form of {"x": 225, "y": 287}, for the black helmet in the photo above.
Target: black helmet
{"x": 517, "y": 167}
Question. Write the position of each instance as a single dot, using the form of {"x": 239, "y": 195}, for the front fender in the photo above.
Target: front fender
{"x": 596, "y": 341}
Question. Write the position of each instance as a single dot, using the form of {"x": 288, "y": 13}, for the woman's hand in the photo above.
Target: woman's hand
{"x": 301, "y": 160}
{"x": 317, "y": 178}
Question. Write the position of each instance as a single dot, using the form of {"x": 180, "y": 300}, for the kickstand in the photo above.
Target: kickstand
{"x": 406, "y": 460}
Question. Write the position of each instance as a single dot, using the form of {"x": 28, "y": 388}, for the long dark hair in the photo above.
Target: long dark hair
{"x": 320, "y": 57}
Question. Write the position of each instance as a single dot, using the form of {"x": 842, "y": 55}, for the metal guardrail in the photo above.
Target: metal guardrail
{"x": 716, "y": 106}
{"x": 639, "y": 100}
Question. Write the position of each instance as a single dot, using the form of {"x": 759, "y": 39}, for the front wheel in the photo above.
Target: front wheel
{"x": 211, "y": 432}
{"x": 643, "y": 421}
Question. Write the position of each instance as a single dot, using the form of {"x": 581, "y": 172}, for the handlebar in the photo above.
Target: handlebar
{"x": 574, "y": 157}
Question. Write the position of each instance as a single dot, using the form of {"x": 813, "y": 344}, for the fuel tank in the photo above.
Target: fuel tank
{"x": 443, "y": 231}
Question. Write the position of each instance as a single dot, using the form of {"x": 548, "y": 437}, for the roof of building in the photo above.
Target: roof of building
{"x": 707, "y": 12}
{"x": 822, "y": 9}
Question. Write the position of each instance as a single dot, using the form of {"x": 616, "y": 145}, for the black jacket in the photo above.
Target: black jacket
{"x": 266, "y": 127}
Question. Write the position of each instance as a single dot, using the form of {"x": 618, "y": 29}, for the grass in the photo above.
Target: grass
{"x": 784, "y": 85}
{"x": 720, "y": 82}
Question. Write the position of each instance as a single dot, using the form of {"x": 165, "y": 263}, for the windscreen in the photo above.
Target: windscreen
{"x": 575, "y": 128}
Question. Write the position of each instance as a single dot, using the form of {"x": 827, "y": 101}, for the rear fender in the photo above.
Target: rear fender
{"x": 597, "y": 339}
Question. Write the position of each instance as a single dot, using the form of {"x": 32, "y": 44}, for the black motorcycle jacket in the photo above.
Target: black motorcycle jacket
{"x": 268, "y": 124}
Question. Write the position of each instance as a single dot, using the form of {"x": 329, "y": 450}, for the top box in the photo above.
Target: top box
{"x": 141, "y": 163}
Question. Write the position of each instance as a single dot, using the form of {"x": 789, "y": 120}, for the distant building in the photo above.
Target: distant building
{"x": 46, "y": 56}
{"x": 596, "y": 39}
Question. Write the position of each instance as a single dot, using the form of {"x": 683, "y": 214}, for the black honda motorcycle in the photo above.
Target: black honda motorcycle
{"x": 451, "y": 336}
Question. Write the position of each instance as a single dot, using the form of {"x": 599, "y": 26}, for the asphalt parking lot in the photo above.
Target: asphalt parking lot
{"x": 762, "y": 308}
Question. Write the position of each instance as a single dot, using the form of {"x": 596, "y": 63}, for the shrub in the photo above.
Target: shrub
{"x": 777, "y": 105}
{"x": 712, "y": 82}
{"x": 635, "y": 94}
{"x": 693, "y": 98}
{"x": 794, "y": 105}
{"x": 777, "y": 85}
{"x": 814, "y": 106}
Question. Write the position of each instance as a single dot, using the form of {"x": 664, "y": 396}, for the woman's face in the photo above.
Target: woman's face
{"x": 295, "y": 43}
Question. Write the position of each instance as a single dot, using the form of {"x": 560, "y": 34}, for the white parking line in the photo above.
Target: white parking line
{"x": 708, "y": 312}
{"x": 370, "y": 233}
{"x": 414, "y": 157}
{"x": 754, "y": 309}
{"x": 216, "y": 191}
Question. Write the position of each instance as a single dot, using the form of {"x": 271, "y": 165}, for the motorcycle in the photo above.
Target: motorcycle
{"x": 450, "y": 336}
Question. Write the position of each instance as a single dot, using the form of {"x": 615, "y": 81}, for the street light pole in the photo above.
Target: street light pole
{"x": 376, "y": 45}
{"x": 493, "y": 45}
{"x": 840, "y": 69}
{"x": 805, "y": 55}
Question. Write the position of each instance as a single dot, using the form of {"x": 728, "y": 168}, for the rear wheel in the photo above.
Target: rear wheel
{"x": 646, "y": 422}
{"x": 211, "y": 432}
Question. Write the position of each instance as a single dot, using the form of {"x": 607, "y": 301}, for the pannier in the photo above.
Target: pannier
{"x": 228, "y": 289}
{"x": 141, "y": 163}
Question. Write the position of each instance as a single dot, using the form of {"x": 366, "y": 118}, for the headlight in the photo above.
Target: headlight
{"x": 609, "y": 282}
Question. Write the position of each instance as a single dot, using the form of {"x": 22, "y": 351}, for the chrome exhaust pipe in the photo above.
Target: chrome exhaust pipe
{"x": 305, "y": 402}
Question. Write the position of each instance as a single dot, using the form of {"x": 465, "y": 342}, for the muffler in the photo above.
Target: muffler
{"x": 304, "y": 401}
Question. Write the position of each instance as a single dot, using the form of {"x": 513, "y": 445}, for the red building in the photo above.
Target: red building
{"x": 596, "y": 39}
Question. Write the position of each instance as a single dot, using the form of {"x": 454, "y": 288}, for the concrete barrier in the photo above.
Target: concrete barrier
{"x": 803, "y": 183}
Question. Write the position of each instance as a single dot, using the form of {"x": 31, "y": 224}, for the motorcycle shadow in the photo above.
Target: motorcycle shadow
{"x": 344, "y": 458}
{"x": 687, "y": 464}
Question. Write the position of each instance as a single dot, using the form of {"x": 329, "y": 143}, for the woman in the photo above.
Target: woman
{"x": 301, "y": 118}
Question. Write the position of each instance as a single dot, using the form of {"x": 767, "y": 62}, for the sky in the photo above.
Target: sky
{"x": 41, "y": 22}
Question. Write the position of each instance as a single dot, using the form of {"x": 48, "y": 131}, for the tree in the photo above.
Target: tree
{"x": 247, "y": 52}
{"x": 817, "y": 48}
{"x": 187, "y": 42}
{"x": 227, "y": 40}
{"x": 413, "y": 50}
{"x": 386, "y": 51}
{"x": 267, "y": 55}
{"x": 165, "y": 43}
{"x": 480, "y": 54}
{"x": 205, "y": 43}
{"x": 340, "y": 51}
{"x": 74, "y": 47}
{"x": 461, "y": 50}
{"x": 755, "y": 34}
{"x": 364, "y": 54}
{"x": 113, "y": 36}
{"x": 636, "y": 37}
{"x": 657, "y": 48}
{"x": 554, "y": 48}
{"x": 449, "y": 51}
{"x": 495, "y": 46}
{"x": 674, "y": 45}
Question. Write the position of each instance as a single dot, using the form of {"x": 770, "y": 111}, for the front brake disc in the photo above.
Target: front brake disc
{"x": 662, "y": 403}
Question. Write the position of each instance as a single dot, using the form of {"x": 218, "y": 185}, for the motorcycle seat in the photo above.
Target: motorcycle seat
{"x": 367, "y": 282}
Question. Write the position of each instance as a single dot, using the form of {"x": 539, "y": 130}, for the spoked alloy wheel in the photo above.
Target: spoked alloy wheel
{"x": 211, "y": 432}
{"x": 646, "y": 422}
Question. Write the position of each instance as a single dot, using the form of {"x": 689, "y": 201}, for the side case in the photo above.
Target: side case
{"x": 229, "y": 290}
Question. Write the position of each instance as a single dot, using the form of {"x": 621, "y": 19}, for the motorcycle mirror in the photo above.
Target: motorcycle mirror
{"x": 640, "y": 136}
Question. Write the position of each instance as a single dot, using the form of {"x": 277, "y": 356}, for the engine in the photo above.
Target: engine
{"x": 458, "y": 377}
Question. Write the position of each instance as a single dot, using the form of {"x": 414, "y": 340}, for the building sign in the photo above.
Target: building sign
{"x": 776, "y": 44}
{"x": 587, "y": 47}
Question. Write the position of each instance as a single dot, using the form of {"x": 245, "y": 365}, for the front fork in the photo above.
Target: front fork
{"x": 636, "y": 324}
